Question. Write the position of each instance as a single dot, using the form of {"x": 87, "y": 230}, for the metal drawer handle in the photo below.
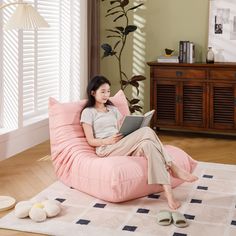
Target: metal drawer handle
{"x": 179, "y": 73}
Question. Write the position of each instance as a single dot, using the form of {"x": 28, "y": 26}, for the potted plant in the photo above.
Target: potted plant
{"x": 120, "y": 9}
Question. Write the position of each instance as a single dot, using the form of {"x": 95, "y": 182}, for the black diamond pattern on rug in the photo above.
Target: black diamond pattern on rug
{"x": 179, "y": 234}
{"x": 208, "y": 176}
{"x": 130, "y": 228}
{"x": 202, "y": 187}
{"x": 154, "y": 196}
{"x": 233, "y": 222}
{"x": 83, "y": 222}
{"x": 189, "y": 217}
{"x": 142, "y": 210}
{"x": 60, "y": 199}
{"x": 196, "y": 201}
{"x": 99, "y": 205}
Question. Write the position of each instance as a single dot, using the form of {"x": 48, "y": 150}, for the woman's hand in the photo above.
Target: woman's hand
{"x": 113, "y": 139}
{"x": 97, "y": 142}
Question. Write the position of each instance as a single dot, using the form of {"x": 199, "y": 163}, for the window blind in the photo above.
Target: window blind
{"x": 40, "y": 64}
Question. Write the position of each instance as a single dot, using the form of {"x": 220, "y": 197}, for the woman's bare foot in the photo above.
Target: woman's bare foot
{"x": 182, "y": 174}
{"x": 172, "y": 202}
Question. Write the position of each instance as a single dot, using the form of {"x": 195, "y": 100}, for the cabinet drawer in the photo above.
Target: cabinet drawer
{"x": 223, "y": 74}
{"x": 179, "y": 73}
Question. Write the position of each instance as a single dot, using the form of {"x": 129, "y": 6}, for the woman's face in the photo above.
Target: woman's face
{"x": 102, "y": 94}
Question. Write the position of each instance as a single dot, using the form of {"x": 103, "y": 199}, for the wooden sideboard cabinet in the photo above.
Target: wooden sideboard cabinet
{"x": 199, "y": 96}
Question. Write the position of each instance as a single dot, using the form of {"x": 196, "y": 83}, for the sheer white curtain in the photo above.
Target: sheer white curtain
{"x": 35, "y": 65}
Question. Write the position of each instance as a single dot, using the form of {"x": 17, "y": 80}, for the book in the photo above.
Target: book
{"x": 192, "y": 53}
{"x": 186, "y": 52}
{"x": 185, "y": 47}
{"x": 134, "y": 122}
{"x": 172, "y": 59}
{"x": 181, "y": 48}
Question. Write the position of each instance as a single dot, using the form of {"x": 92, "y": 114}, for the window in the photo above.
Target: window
{"x": 35, "y": 65}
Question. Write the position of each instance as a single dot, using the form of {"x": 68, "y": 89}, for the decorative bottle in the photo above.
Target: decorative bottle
{"x": 210, "y": 55}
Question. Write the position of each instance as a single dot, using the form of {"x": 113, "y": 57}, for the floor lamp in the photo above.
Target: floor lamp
{"x": 25, "y": 17}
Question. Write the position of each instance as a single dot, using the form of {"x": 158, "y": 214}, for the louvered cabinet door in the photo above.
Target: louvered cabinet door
{"x": 165, "y": 93}
{"x": 194, "y": 96}
{"x": 193, "y": 104}
{"x": 222, "y": 106}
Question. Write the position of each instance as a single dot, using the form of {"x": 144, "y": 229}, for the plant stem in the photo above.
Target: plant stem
{"x": 121, "y": 50}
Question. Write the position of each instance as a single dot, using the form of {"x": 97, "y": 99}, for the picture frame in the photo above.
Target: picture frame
{"x": 222, "y": 29}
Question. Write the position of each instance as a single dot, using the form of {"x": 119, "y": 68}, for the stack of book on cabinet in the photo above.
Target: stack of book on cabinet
{"x": 168, "y": 59}
{"x": 186, "y": 52}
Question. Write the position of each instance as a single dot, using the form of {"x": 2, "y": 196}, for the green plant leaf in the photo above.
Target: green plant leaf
{"x": 120, "y": 28}
{"x": 137, "y": 108}
{"x": 106, "y": 47}
{"x": 138, "y": 78}
{"x": 134, "y": 101}
{"x": 105, "y": 54}
{"x": 132, "y": 8}
{"x": 107, "y": 50}
{"x": 112, "y": 8}
{"x": 112, "y": 2}
{"x": 129, "y": 29}
{"x": 118, "y": 17}
{"x": 131, "y": 109}
{"x": 124, "y": 3}
{"x": 112, "y": 13}
{"x": 113, "y": 36}
{"x": 124, "y": 82}
{"x": 113, "y": 31}
{"x": 134, "y": 83}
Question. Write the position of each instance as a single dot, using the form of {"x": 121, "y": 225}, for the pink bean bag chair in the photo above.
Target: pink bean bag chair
{"x": 114, "y": 178}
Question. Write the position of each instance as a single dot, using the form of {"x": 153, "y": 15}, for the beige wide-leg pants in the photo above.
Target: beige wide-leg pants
{"x": 143, "y": 142}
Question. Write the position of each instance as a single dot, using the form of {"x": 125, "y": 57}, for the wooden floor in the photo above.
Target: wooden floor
{"x": 29, "y": 172}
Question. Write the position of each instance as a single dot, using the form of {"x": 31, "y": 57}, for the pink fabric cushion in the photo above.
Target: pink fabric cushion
{"x": 115, "y": 178}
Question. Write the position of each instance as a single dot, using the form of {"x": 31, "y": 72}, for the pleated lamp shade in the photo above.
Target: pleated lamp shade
{"x": 25, "y": 17}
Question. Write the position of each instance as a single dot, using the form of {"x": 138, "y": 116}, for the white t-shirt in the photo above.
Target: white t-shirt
{"x": 105, "y": 124}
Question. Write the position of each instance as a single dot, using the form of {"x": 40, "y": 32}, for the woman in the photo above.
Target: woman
{"x": 100, "y": 120}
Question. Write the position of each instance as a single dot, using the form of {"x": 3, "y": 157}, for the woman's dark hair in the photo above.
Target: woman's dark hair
{"x": 94, "y": 85}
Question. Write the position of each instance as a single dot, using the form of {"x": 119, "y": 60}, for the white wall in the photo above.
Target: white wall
{"x": 16, "y": 141}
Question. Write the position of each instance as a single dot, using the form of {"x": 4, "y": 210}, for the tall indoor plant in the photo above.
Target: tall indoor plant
{"x": 119, "y": 10}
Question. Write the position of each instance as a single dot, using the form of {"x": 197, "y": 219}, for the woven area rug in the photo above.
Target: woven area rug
{"x": 208, "y": 204}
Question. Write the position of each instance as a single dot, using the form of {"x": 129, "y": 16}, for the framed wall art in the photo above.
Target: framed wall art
{"x": 222, "y": 29}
